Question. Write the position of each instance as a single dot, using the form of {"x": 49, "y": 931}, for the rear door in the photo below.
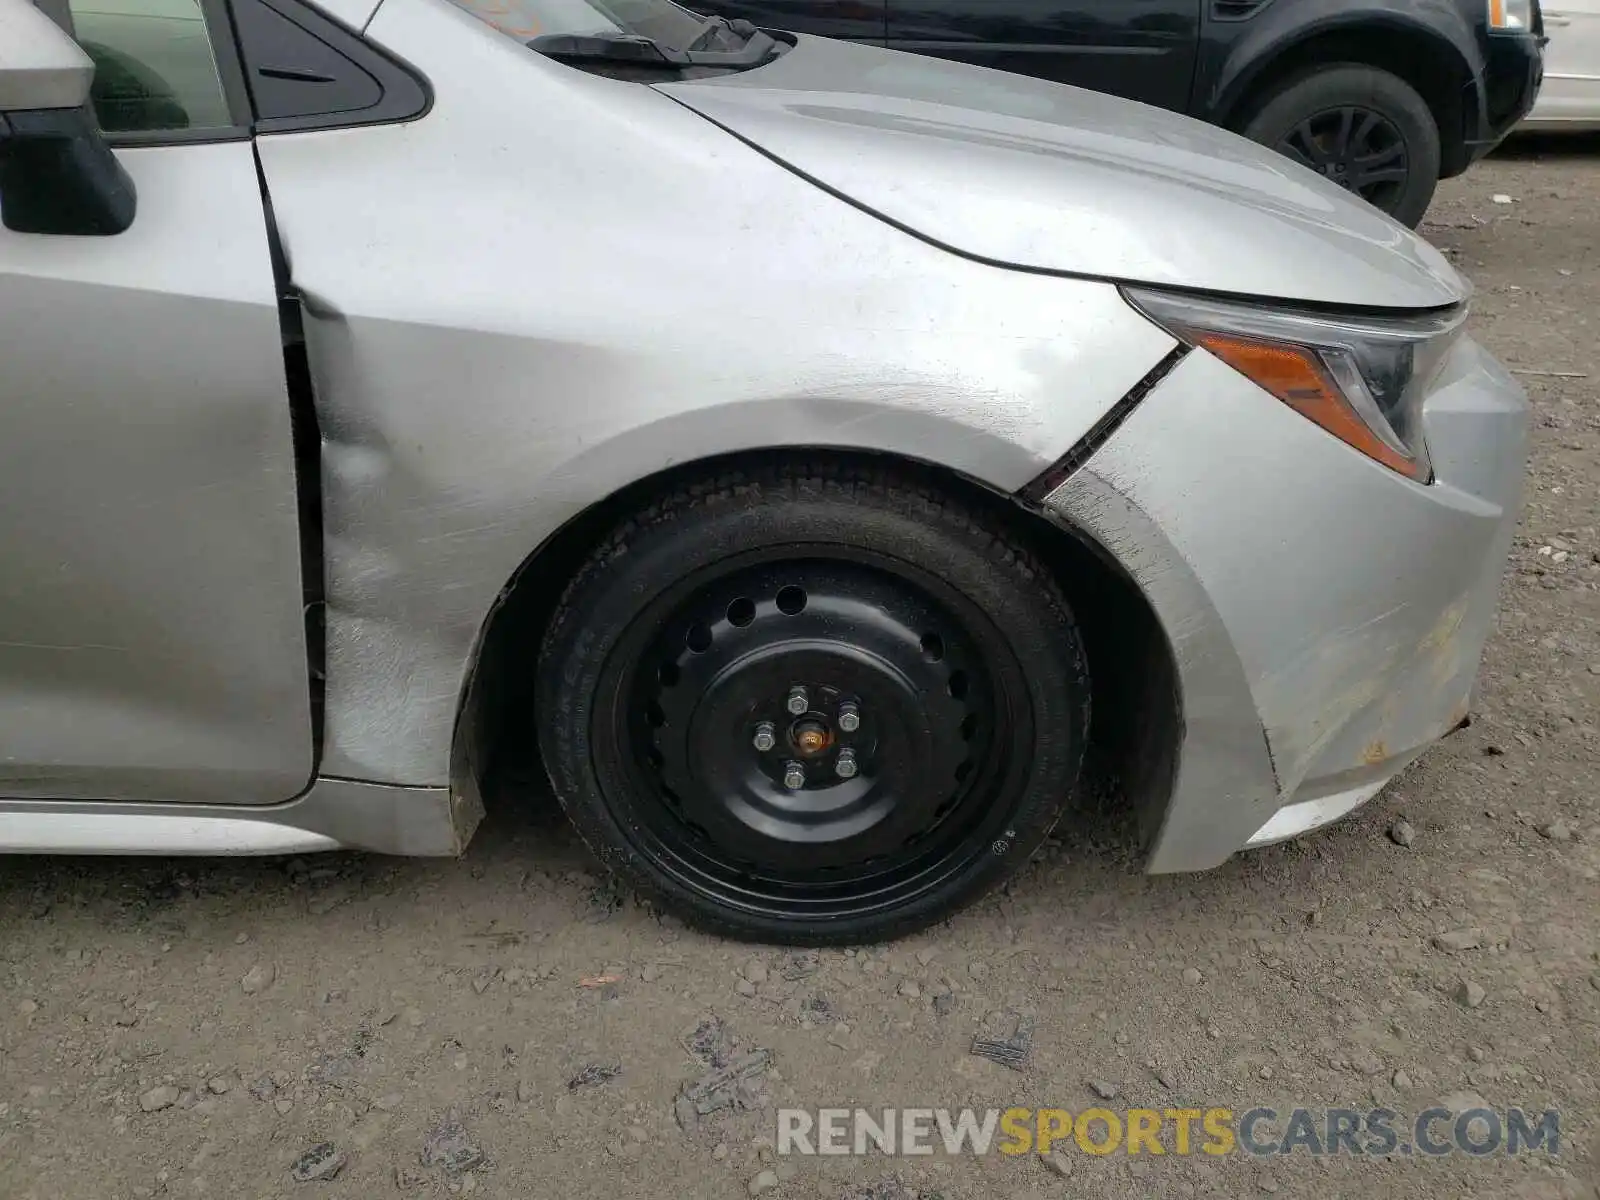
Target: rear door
{"x": 852, "y": 20}
{"x": 1571, "y": 90}
{"x": 152, "y": 638}
{"x": 1141, "y": 49}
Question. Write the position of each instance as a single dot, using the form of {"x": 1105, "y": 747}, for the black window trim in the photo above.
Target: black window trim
{"x": 405, "y": 93}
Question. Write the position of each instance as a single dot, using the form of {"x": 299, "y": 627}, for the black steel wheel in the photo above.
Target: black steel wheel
{"x": 830, "y": 707}
{"x": 1363, "y": 128}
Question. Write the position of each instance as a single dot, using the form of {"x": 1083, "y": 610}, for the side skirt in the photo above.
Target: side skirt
{"x": 332, "y": 814}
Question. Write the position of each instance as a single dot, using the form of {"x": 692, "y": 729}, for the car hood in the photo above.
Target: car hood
{"x": 1054, "y": 178}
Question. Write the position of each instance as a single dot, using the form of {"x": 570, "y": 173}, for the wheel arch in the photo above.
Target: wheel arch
{"x": 1136, "y": 722}
{"x": 1425, "y": 59}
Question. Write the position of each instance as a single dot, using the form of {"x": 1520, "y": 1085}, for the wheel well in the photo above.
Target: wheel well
{"x": 1135, "y": 722}
{"x": 1424, "y": 62}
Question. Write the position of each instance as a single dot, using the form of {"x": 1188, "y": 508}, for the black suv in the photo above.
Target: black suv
{"x": 1386, "y": 97}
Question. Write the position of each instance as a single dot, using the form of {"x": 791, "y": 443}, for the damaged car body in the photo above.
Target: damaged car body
{"x": 802, "y": 455}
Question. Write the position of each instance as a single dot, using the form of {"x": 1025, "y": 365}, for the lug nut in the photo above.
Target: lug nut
{"x": 846, "y": 766}
{"x": 798, "y": 701}
{"x": 766, "y": 737}
{"x": 849, "y": 717}
{"x": 794, "y": 776}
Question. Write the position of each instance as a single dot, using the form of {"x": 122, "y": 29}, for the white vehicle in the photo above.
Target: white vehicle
{"x": 1570, "y": 98}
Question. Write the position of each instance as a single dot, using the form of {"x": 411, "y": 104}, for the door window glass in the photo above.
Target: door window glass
{"x": 153, "y": 65}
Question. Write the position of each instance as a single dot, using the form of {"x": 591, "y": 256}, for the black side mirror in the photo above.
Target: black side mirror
{"x": 57, "y": 174}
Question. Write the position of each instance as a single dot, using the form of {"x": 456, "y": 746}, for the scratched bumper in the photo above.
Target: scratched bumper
{"x": 1326, "y": 615}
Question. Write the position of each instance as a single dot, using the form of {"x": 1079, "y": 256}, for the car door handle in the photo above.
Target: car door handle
{"x": 1549, "y": 20}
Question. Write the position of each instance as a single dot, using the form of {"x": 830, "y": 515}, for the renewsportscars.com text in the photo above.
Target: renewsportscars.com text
{"x": 1374, "y": 1132}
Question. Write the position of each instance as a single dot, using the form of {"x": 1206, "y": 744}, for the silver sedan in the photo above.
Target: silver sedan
{"x": 803, "y": 456}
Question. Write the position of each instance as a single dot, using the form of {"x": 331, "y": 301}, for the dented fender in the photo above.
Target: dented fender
{"x": 496, "y": 347}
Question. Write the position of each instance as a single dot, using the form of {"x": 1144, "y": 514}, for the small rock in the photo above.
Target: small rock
{"x": 1460, "y": 1102}
{"x": 720, "y": 1152}
{"x": 258, "y": 978}
{"x": 158, "y": 1098}
{"x": 1401, "y": 833}
{"x": 240, "y": 939}
{"x": 1469, "y": 994}
{"x": 1266, "y": 1072}
{"x": 263, "y": 1088}
{"x": 1401, "y": 1080}
{"x": 1057, "y": 1162}
{"x": 219, "y": 1085}
{"x": 325, "y": 902}
{"x": 1501, "y": 198}
{"x": 1268, "y": 1186}
{"x": 1476, "y": 1053}
{"x": 388, "y": 1102}
{"x": 28, "y": 1007}
{"x": 525, "y": 1092}
{"x": 745, "y": 988}
{"x": 927, "y": 956}
{"x": 909, "y": 989}
{"x": 977, "y": 968}
{"x": 1103, "y": 1089}
{"x": 755, "y": 970}
{"x": 1458, "y": 939}
{"x": 448, "y": 1146}
{"x": 649, "y": 973}
{"x": 763, "y": 1182}
{"x": 1556, "y": 831}
{"x": 322, "y": 1161}
{"x": 1192, "y": 976}
{"x": 594, "y": 1075}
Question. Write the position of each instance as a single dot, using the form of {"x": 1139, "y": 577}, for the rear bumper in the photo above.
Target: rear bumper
{"x": 1325, "y": 615}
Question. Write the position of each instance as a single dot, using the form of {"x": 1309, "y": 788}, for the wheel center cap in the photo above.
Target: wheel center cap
{"x": 811, "y": 736}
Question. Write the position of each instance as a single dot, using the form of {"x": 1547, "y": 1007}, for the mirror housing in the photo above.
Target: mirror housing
{"x": 57, "y": 174}
{"x": 40, "y": 66}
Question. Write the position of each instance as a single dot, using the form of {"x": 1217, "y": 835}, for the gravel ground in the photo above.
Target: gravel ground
{"x": 353, "y": 1026}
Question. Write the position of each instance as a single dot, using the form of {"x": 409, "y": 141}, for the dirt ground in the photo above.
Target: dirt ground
{"x": 194, "y": 1028}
